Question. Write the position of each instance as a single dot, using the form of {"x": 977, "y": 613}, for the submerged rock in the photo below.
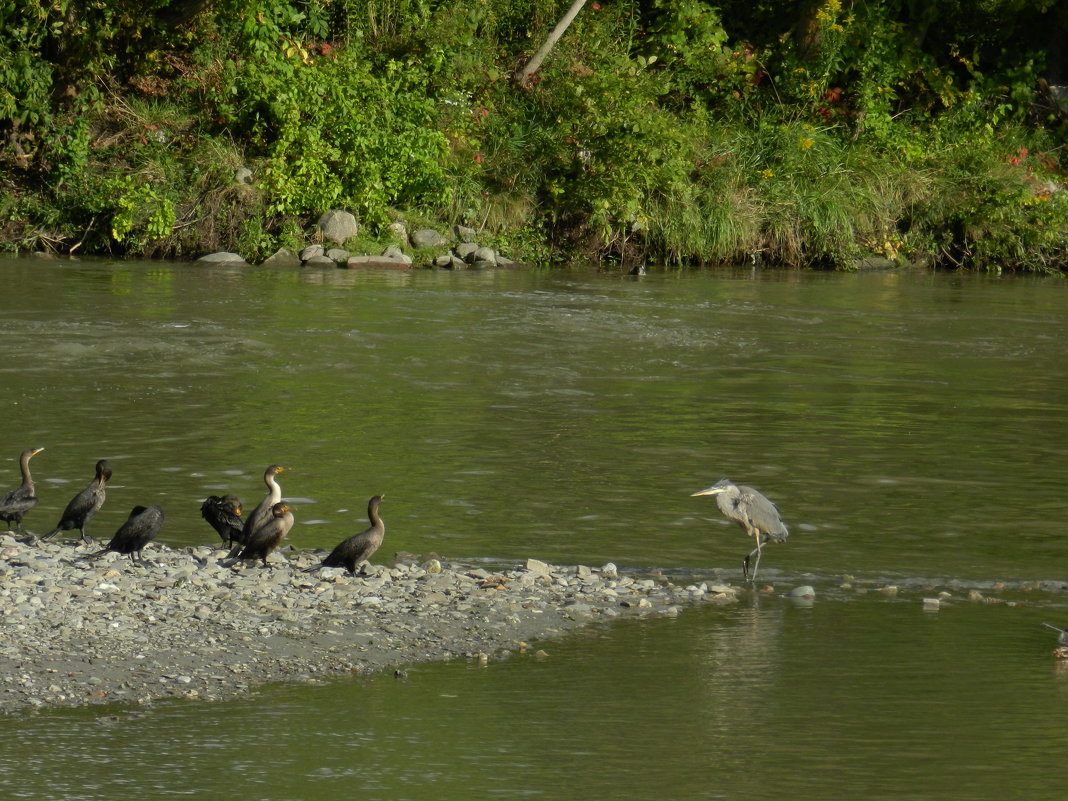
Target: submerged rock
{"x": 223, "y": 257}
{"x": 376, "y": 263}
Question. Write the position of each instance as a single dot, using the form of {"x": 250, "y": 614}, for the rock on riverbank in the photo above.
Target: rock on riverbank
{"x": 456, "y": 250}
{"x": 78, "y": 631}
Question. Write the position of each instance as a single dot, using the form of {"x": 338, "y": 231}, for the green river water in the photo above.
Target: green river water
{"x": 911, "y": 427}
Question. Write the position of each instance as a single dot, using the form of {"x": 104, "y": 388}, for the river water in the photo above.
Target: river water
{"x": 911, "y": 427}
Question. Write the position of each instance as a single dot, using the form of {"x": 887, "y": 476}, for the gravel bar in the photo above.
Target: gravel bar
{"x": 75, "y": 630}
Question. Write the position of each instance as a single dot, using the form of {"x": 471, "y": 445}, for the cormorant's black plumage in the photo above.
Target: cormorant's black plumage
{"x": 140, "y": 528}
{"x": 262, "y": 541}
{"x": 359, "y": 547}
{"x": 15, "y": 504}
{"x": 85, "y": 504}
{"x": 262, "y": 513}
{"x": 223, "y": 513}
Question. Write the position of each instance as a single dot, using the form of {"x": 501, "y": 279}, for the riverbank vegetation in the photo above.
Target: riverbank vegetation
{"x": 804, "y": 133}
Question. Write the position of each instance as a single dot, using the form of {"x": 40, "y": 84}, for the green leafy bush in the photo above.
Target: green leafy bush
{"x": 802, "y": 133}
{"x": 332, "y": 132}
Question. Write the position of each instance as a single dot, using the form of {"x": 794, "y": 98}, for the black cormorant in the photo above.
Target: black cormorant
{"x": 85, "y": 504}
{"x": 14, "y": 504}
{"x": 359, "y": 547}
{"x": 140, "y": 528}
{"x": 264, "y": 539}
{"x": 262, "y": 513}
{"x": 223, "y": 513}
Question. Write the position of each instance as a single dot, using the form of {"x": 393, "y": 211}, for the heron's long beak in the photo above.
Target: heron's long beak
{"x": 709, "y": 491}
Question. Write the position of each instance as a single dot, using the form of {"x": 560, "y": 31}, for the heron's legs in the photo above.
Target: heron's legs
{"x": 756, "y": 564}
{"x": 758, "y": 538}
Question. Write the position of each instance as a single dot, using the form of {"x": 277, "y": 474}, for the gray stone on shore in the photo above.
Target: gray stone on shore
{"x": 222, "y": 257}
{"x": 338, "y": 254}
{"x": 465, "y": 234}
{"x": 338, "y": 226}
{"x": 539, "y": 567}
{"x": 311, "y": 252}
{"x": 283, "y": 257}
{"x": 322, "y": 260}
{"x": 427, "y": 238}
{"x": 399, "y": 231}
{"x": 394, "y": 252}
{"x": 465, "y": 251}
{"x": 448, "y": 261}
{"x": 485, "y": 254}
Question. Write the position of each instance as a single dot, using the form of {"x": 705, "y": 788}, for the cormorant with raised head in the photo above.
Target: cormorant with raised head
{"x": 15, "y": 504}
{"x": 266, "y": 538}
{"x": 140, "y": 528}
{"x": 85, "y": 504}
{"x": 262, "y": 513}
{"x": 359, "y": 547}
{"x": 223, "y": 513}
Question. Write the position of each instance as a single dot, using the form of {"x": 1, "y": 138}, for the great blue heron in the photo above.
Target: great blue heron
{"x": 1061, "y": 651}
{"x": 758, "y": 516}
